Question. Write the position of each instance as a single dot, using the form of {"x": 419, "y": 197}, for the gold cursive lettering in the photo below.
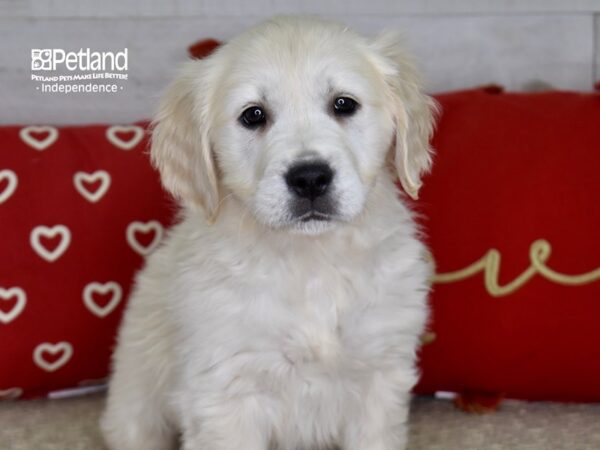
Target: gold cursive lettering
{"x": 539, "y": 252}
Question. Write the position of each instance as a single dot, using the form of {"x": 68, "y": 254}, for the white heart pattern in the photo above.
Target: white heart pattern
{"x": 83, "y": 177}
{"x": 102, "y": 289}
{"x": 10, "y": 187}
{"x": 49, "y": 232}
{"x": 124, "y": 144}
{"x": 10, "y": 393}
{"x": 40, "y": 355}
{"x": 18, "y": 307}
{"x": 40, "y": 144}
{"x": 141, "y": 227}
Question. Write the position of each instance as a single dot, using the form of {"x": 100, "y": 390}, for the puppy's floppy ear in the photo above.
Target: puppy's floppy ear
{"x": 181, "y": 149}
{"x": 414, "y": 112}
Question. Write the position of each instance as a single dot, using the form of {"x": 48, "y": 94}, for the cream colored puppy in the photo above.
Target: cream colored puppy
{"x": 284, "y": 310}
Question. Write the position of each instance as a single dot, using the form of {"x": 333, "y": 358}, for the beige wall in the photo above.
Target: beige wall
{"x": 458, "y": 43}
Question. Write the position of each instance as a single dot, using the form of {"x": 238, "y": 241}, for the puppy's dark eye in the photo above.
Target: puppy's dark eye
{"x": 344, "y": 106}
{"x": 253, "y": 117}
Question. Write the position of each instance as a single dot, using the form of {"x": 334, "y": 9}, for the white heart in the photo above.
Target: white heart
{"x": 60, "y": 347}
{"x": 83, "y": 177}
{"x": 19, "y": 306}
{"x": 11, "y": 393}
{"x": 135, "y": 227}
{"x": 111, "y": 135}
{"x": 41, "y": 230}
{"x": 37, "y": 143}
{"x": 10, "y": 187}
{"x": 90, "y": 303}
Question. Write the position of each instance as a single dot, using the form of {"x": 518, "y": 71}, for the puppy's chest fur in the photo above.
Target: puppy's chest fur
{"x": 315, "y": 309}
{"x": 302, "y": 326}
{"x": 300, "y": 310}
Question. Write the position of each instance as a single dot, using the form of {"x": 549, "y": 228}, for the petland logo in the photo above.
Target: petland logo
{"x": 51, "y": 59}
{"x": 98, "y": 66}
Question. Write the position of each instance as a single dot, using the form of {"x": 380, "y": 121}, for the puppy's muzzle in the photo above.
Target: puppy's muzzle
{"x": 310, "y": 184}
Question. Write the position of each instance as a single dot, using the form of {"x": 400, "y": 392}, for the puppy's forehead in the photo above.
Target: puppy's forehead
{"x": 313, "y": 65}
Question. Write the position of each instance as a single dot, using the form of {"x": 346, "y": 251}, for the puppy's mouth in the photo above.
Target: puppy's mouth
{"x": 313, "y": 221}
{"x": 315, "y": 215}
{"x": 321, "y": 209}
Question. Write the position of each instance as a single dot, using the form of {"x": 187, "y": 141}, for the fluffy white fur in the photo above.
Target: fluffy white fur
{"x": 249, "y": 329}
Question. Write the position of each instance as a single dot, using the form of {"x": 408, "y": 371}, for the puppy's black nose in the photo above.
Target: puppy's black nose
{"x": 309, "y": 180}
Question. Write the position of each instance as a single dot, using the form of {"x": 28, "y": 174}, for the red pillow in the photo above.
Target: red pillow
{"x": 80, "y": 207}
{"x": 512, "y": 170}
{"x": 512, "y": 218}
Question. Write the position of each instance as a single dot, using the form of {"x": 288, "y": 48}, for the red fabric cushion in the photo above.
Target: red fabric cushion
{"x": 79, "y": 209}
{"x": 518, "y": 173}
{"x": 511, "y": 170}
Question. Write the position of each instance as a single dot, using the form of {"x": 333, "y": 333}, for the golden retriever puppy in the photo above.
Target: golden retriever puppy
{"x": 284, "y": 310}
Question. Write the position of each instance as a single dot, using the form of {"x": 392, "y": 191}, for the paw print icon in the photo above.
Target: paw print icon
{"x": 41, "y": 59}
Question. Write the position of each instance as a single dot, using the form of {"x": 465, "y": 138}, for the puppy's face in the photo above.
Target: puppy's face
{"x": 298, "y": 120}
{"x": 302, "y": 132}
